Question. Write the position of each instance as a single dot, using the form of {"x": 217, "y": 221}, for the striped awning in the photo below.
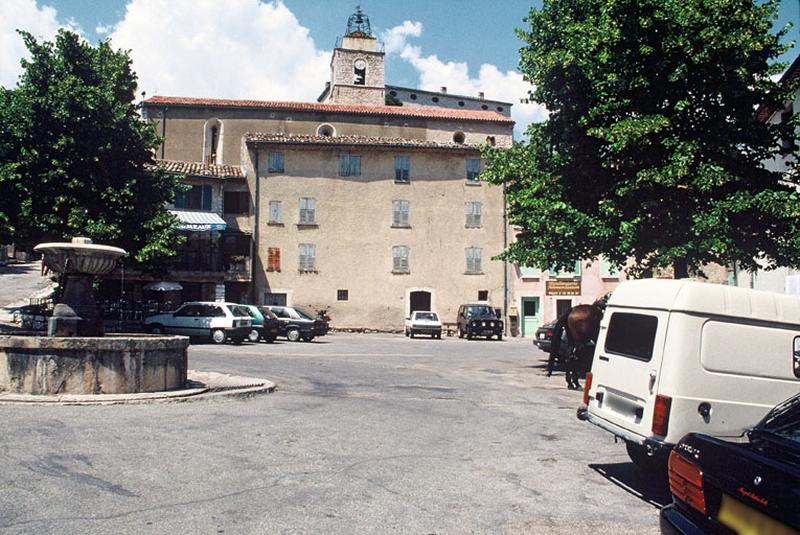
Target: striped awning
{"x": 199, "y": 221}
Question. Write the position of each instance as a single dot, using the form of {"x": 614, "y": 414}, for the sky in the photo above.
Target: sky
{"x": 280, "y": 49}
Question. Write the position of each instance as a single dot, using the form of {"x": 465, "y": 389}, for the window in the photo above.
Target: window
{"x": 402, "y": 168}
{"x": 473, "y": 255}
{"x": 349, "y": 165}
{"x": 274, "y": 299}
{"x": 237, "y": 202}
{"x": 342, "y": 295}
{"x": 796, "y": 357}
{"x": 212, "y": 141}
{"x": 308, "y": 257}
{"x": 326, "y": 130}
{"x": 275, "y": 213}
{"x": 473, "y": 169}
{"x": 413, "y": 96}
{"x": 459, "y": 137}
{"x": 576, "y": 272}
{"x": 472, "y": 211}
{"x": 491, "y": 141}
{"x": 500, "y": 109}
{"x": 483, "y": 295}
{"x": 308, "y": 211}
{"x": 461, "y": 103}
{"x": 275, "y": 163}
{"x": 400, "y": 259}
{"x": 400, "y": 210}
{"x": 607, "y": 269}
{"x": 273, "y": 259}
{"x": 484, "y": 107}
{"x": 631, "y": 335}
{"x": 529, "y": 272}
{"x": 196, "y": 198}
{"x": 435, "y": 99}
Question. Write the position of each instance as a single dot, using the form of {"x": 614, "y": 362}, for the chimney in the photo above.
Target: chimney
{"x": 444, "y": 90}
{"x": 480, "y": 95}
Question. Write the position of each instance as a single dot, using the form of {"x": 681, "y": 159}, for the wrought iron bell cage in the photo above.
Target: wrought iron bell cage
{"x": 358, "y": 24}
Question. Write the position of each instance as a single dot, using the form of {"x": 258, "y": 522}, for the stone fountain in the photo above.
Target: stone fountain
{"x": 76, "y": 357}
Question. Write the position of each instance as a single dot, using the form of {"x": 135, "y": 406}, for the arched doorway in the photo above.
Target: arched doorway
{"x": 419, "y": 300}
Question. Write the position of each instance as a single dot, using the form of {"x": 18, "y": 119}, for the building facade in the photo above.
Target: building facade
{"x": 365, "y": 209}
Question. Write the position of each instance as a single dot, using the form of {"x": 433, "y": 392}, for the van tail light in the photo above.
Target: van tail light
{"x": 686, "y": 481}
{"x": 587, "y": 384}
{"x": 661, "y": 415}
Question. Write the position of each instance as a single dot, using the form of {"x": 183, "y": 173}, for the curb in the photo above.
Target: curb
{"x": 200, "y": 386}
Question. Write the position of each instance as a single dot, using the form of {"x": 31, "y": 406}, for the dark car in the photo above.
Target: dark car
{"x": 543, "y": 339}
{"x": 478, "y": 320}
{"x": 297, "y": 323}
{"x": 265, "y": 324}
{"x": 734, "y": 487}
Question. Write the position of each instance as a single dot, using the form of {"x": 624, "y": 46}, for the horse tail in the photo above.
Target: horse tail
{"x": 555, "y": 343}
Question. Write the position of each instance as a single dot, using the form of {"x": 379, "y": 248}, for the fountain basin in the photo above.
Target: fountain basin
{"x": 115, "y": 364}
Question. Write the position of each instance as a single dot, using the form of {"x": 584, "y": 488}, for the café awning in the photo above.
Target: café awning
{"x": 199, "y": 221}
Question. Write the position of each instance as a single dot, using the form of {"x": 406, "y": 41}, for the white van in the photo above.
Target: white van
{"x": 678, "y": 356}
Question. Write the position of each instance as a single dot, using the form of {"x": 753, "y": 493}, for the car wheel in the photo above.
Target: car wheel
{"x": 652, "y": 464}
{"x": 293, "y": 334}
{"x": 438, "y": 336}
{"x": 460, "y": 333}
{"x": 499, "y": 336}
{"x": 218, "y": 336}
{"x": 156, "y": 329}
{"x": 253, "y": 336}
{"x": 405, "y": 331}
{"x": 469, "y": 335}
{"x": 308, "y": 338}
{"x": 411, "y": 334}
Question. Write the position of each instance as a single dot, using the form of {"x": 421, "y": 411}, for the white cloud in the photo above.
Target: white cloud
{"x": 102, "y": 29}
{"x": 434, "y": 73}
{"x": 42, "y": 23}
{"x": 231, "y": 49}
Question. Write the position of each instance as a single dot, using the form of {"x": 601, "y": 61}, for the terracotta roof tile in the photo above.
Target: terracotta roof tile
{"x": 200, "y": 169}
{"x": 765, "y": 112}
{"x": 423, "y": 112}
{"x": 297, "y": 139}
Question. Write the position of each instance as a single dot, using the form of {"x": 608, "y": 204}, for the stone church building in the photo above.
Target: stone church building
{"x": 365, "y": 203}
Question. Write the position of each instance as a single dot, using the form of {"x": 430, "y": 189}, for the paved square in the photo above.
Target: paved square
{"x": 365, "y": 434}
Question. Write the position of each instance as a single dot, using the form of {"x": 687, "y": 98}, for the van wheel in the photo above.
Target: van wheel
{"x": 218, "y": 336}
{"x": 293, "y": 334}
{"x": 253, "y": 336}
{"x": 652, "y": 464}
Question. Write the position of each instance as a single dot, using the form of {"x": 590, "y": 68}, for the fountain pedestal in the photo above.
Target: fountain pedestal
{"x": 77, "y": 313}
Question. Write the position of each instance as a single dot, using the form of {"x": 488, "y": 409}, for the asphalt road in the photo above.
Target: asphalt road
{"x": 365, "y": 434}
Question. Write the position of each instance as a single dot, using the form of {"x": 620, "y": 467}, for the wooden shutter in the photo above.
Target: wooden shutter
{"x": 273, "y": 259}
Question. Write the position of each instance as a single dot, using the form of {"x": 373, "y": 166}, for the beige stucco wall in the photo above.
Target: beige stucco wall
{"x": 185, "y": 128}
{"x": 354, "y": 237}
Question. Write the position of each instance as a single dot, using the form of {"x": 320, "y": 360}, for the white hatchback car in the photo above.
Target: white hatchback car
{"x": 423, "y": 322}
{"x": 218, "y": 321}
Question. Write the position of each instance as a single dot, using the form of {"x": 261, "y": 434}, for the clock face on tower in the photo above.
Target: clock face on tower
{"x": 360, "y": 64}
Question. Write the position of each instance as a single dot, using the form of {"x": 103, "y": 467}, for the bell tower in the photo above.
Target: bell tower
{"x": 357, "y": 66}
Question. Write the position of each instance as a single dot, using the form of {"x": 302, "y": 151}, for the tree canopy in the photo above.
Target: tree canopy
{"x": 75, "y": 155}
{"x": 652, "y": 151}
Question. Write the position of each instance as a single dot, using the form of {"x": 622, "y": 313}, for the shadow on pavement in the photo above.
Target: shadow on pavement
{"x": 648, "y": 488}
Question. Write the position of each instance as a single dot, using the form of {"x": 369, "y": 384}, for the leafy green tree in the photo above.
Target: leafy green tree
{"x": 651, "y": 150}
{"x": 76, "y": 157}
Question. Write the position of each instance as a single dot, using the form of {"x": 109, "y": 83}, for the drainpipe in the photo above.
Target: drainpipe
{"x": 254, "y": 243}
{"x": 505, "y": 264}
{"x": 163, "y": 131}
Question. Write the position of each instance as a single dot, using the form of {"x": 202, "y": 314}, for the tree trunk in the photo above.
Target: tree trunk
{"x": 680, "y": 269}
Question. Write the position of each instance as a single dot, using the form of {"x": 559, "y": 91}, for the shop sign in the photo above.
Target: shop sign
{"x": 563, "y": 287}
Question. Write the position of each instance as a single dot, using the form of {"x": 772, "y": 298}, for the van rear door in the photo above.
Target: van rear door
{"x": 626, "y": 367}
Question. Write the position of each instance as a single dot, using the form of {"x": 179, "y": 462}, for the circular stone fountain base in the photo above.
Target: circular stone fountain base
{"x": 114, "y": 364}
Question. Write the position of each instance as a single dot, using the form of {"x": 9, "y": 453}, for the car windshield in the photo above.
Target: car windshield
{"x": 427, "y": 316}
{"x": 303, "y": 313}
{"x": 784, "y": 420}
{"x": 480, "y": 312}
{"x": 238, "y": 310}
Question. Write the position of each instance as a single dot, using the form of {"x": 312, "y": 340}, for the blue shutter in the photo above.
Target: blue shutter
{"x": 344, "y": 165}
{"x": 206, "y": 197}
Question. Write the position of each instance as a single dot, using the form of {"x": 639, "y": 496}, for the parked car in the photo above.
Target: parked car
{"x": 265, "y": 325}
{"x": 733, "y": 487}
{"x": 677, "y": 357}
{"x": 297, "y": 323}
{"x": 478, "y": 320}
{"x": 217, "y": 321}
{"x": 423, "y": 322}
{"x": 543, "y": 339}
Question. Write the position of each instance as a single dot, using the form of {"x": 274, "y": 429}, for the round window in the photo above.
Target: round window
{"x": 326, "y": 130}
{"x": 458, "y": 137}
{"x": 413, "y": 96}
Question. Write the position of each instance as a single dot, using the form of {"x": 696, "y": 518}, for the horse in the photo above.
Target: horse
{"x": 582, "y": 323}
